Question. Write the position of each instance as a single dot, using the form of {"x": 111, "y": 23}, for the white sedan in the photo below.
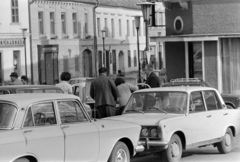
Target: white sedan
{"x": 177, "y": 118}
{"x": 57, "y": 128}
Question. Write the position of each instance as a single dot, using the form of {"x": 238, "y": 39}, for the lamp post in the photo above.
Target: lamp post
{"x": 103, "y": 37}
{"x": 24, "y": 41}
{"x": 146, "y": 8}
{"x": 137, "y": 24}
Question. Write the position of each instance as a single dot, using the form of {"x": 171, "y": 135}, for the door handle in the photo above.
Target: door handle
{"x": 65, "y": 126}
{"x": 27, "y": 131}
{"x": 209, "y": 116}
{"x": 225, "y": 114}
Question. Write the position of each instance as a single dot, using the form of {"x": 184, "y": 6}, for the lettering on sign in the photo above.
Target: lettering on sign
{"x": 11, "y": 42}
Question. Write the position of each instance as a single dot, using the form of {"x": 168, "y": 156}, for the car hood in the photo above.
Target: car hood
{"x": 144, "y": 119}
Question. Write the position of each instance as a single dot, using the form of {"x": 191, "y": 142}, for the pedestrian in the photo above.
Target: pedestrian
{"x": 163, "y": 76}
{"x": 14, "y": 79}
{"x": 24, "y": 79}
{"x": 124, "y": 91}
{"x": 104, "y": 91}
{"x": 120, "y": 74}
{"x": 64, "y": 85}
{"x": 152, "y": 79}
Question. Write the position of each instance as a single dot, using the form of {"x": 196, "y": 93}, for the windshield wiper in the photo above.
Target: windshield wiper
{"x": 158, "y": 109}
{"x": 135, "y": 110}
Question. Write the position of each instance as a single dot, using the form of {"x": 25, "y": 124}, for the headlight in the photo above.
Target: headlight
{"x": 153, "y": 132}
{"x": 144, "y": 132}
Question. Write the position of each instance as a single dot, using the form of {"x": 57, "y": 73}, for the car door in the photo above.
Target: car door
{"x": 81, "y": 135}
{"x": 44, "y": 137}
{"x": 219, "y": 116}
{"x": 200, "y": 119}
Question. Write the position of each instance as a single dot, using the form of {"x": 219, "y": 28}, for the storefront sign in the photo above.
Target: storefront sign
{"x": 13, "y": 42}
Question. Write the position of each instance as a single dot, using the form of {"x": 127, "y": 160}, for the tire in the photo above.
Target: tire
{"x": 225, "y": 146}
{"x": 22, "y": 160}
{"x": 174, "y": 151}
{"x": 229, "y": 106}
{"x": 120, "y": 153}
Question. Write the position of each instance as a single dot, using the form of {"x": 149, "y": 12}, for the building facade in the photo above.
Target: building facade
{"x": 202, "y": 41}
{"x": 14, "y": 43}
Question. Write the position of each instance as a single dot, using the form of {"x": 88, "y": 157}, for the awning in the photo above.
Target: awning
{"x": 192, "y": 37}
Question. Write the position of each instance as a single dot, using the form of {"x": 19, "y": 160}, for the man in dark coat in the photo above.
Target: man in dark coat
{"x": 104, "y": 92}
{"x": 152, "y": 79}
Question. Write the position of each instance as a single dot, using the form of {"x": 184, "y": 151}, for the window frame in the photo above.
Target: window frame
{"x": 15, "y": 11}
{"x": 41, "y": 22}
{"x": 203, "y": 102}
{"x": 74, "y": 21}
{"x": 63, "y": 23}
{"x": 216, "y": 97}
{"x": 52, "y": 23}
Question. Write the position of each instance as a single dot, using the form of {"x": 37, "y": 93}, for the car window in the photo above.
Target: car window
{"x": 3, "y": 92}
{"x": 40, "y": 114}
{"x": 8, "y": 113}
{"x": 196, "y": 103}
{"x": 212, "y": 100}
{"x": 71, "y": 112}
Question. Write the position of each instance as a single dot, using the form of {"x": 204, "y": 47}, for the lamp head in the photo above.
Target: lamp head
{"x": 146, "y": 8}
{"x": 137, "y": 21}
{"x": 103, "y": 33}
{"x": 24, "y": 32}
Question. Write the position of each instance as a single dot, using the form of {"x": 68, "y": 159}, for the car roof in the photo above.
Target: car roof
{"x": 29, "y": 86}
{"x": 25, "y": 99}
{"x": 180, "y": 88}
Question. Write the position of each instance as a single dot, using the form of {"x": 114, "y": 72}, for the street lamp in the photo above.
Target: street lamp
{"x": 103, "y": 37}
{"x": 24, "y": 41}
{"x": 146, "y": 8}
{"x": 137, "y": 24}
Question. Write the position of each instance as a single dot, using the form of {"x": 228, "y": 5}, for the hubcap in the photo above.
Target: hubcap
{"x": 121, "y": 156}
{"x": 227, "y": 139}
{"x": 175, "y": 149}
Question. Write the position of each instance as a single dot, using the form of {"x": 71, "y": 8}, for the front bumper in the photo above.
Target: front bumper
{"x": 147, "y": 143}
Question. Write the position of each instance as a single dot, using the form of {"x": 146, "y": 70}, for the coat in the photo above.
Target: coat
{"x": 103, "y": 91}
{"x": 153, "y": 80}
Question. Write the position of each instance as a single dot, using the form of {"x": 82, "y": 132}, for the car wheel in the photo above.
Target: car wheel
{"x": 225, "y": 146}
{"x": 174, "y": 151}
{"x": 229, "y": 106}
{"x": 22, "y": 160}
{"x": 120, "y": 153}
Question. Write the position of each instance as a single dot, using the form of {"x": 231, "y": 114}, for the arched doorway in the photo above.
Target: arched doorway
{"x": 87, "y": 63}
{"x": 121, "y": 61}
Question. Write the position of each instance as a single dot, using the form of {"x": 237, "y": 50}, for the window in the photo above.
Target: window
{"x": 128, "y": 28}
{"x": 15, "y": 17}
{"x": 106, "y": 27}
{"x": 120, "y": 28}
{"x": 71, "y": 112}
{"x": 196, "y": 102}
{"x": 17, "y": 61}
{"x": 40, "y": 22}
{"x": 135, "y": 58}
{"x": 100, "y": 59}
{"x": 52, "y": 23}
{"x": 212, "y": 101}
{"x": 133, "y": 27}
{"x": 114, "y": 57}
{"x": 113, "y": 29}
{"x": 129, "y": 58}
{"x": 40, "y": 114}
{"x": 99, "y": 27}
{"x": 86, "y": 23}
{"x": 76, "y": 63}
{"x": 74, "y": 18}
{"x": 8, "y": 113}
{"x": 63, "y": 20}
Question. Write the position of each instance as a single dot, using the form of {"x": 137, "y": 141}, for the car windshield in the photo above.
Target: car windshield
{"x": 157, "y": 102}
{"x": 8, "y": 113}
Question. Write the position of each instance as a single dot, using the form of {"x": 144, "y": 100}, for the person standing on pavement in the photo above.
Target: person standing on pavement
{"x": 24, "y": 79}
{"x": 152, "y": 79}
{"x": 64, "y": 85}
{"x": 104, "y": 92}
{"x": 14, "y": 79}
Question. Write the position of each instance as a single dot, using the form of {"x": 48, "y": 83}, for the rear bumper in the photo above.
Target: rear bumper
{"x": 147, "y": 143}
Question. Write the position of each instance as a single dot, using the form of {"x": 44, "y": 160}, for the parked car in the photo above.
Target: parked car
{"x": 231, "y": 100}
{"x": 12, "y": 89}
{"x": 15, "y": 89}
{"x": 56, "y": 127}
{"x": 174, "y": 119}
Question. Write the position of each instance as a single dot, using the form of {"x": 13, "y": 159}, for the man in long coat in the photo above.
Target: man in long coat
{"x": 152, "y": 79}
{"x": 104, "y": 92}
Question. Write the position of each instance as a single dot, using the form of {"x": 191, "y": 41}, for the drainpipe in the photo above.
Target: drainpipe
{"x": 95, "y": 38}
{"x": 30, "y": 36}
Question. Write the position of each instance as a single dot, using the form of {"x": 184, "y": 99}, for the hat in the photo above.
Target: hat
{"x": 14, "y": 74}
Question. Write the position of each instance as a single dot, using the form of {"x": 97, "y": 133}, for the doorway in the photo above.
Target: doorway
{"x": 195, "y": 60}
{"x": 87, "y": 63}
{"x": 121, "y": 61}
